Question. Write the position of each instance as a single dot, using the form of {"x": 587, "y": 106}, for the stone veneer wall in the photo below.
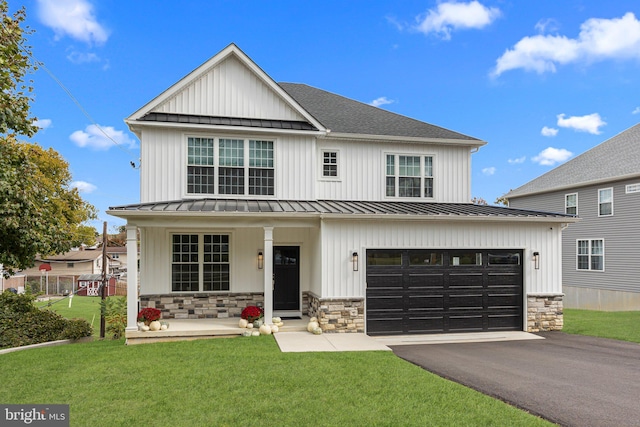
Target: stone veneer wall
{"x": 337, "y": 314}
{"x": 201, "y": 306}
{"x": 544, "y": 313}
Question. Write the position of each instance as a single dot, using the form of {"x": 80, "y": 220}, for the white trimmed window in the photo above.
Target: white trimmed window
{"x": 330, "y": 164}
{"x": 590, "y": 254}
{"x": 199, "y": 262}
{"x": 242, "y": 166}
{"x": 605, "y": 202}
{"x": 571, "y": 204}
{"x": 632, "y": 188}
{"x": 409, "y": 176}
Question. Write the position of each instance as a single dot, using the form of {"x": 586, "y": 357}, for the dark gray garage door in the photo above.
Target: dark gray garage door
{"x": 435, "y": 291}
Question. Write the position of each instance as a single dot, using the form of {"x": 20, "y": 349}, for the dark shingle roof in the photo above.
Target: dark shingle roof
{"x": 337, "y": 207}
{"x": 344, "y": 115}
{"x": 617, "y": 157}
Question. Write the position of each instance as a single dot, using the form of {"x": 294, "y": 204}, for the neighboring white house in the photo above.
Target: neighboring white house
{"x": 306, "y": 202}
{"x": 600, "y": 253}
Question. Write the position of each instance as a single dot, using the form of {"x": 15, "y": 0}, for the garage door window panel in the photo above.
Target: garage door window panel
{"x": 466, "y": 259}
{"x": 384, "y": 259}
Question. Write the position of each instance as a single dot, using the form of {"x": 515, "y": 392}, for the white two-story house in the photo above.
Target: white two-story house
{"x": 309, "y": 203}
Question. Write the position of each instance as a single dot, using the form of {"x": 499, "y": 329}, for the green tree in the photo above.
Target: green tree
{"x": 39, "y": 212}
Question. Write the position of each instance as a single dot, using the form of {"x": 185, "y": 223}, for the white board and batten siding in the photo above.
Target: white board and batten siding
{"x": 341, "y": 238}
{"x": 229, "y": 89}
{"x": 362, "y": 170}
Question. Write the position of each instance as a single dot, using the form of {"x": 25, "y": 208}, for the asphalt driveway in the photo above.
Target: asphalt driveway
{"x": 571, "y": 380}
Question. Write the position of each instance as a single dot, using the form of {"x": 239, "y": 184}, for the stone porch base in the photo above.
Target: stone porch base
{"x": 202, "y": 306}
{"x": 337, "y": 314}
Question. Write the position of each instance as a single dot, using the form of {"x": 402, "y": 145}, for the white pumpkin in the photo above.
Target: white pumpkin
{"x": 317, "y": 331}
{"x": 144, "y": 328}
{"x": 243, "y": 323}
{"x": 163, "y": 327}
{"x": 274, "y": 329}
{"x": 265, "y": 330}
{"x": 313, "y": 319}
{"x": 249, "y": 325}
{"x": 280, "y": 324}
{"x": 255, "y": 334}
{"x": 246, "y": 333}
{"x": 155, "y": 326}
{"x": 312, "y": 325}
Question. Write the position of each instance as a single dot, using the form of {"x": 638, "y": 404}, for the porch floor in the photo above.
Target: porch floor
{"x": 193, "y": 329}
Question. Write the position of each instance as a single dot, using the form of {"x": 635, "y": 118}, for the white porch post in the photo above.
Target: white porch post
{"x": 268, "y": 274}
{"x": 132, "y": 277}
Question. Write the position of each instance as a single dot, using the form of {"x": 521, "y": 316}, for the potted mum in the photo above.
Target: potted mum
{"x": 251, "y": 313}
{"x": 150, "y": 317}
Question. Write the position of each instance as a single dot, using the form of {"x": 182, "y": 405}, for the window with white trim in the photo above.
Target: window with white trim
{"x": 632, "y": 188}
{"x": 330, "y": 164}
{"x": 571, "y": 204}
{"x": 590, "y": 254}
{"x": 200, "y": 262}
{"x": 409, "y": 176}
{"x": 605, "y": 202}
{"x": 242, "y": 166}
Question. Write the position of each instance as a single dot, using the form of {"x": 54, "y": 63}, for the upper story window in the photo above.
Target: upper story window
{"x": 243, "y": 167}
{"x": 409, "y": 176}
{"x": 571, "y": 204}
{"x": 590, "y": 255}
{"x": 330, "y": 164}
{"x": 605, "y": 202}
{"x": 632, "y": 188}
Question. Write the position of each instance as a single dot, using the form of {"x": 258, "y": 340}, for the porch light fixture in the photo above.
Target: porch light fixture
{"x": 536, "y": 260}
{"x": 260, "y": 260}
{"x": 354, "y": 261}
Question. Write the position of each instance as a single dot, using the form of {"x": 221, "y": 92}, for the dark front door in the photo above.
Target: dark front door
{"x": 286, "y": 275}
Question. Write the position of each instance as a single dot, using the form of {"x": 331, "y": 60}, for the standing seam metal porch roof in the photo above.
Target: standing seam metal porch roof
{"x": 337, "y": 207}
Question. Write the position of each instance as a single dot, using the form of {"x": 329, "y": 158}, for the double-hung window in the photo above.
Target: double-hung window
{"x": 241, "y": 166}
{"x": 330, "y": 164}
{"x": 605, "y": 202}
{"x": 199, "y": 262}
{"x": 590, "y": 254}
{"x": 571, "y": 204}
{"x": 409, "y": 176}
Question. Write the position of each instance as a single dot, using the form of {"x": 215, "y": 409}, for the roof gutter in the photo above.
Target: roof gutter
{"x": 395, "y": 138}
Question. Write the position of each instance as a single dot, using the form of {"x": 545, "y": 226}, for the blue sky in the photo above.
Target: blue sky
{"x": 541, "y": 81}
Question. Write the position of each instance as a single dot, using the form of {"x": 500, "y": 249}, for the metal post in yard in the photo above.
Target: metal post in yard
{"x": 105, "y": 282}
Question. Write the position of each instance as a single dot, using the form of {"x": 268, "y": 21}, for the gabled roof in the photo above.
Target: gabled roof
{"x": 616, "y": 158}
{"x": 356, "y": 209}
{"x": 75, "y": 256}
{"x": 344, "y": 115}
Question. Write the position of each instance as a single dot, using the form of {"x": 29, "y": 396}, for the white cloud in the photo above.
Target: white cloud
{"x": 517, "y": 161}
{"x": 590, "y": 123}
{"x": 636, "y": 111}
{"x": 599, "y": 39}
{"x": 489, "y": 171}
{"x": 42, "y": 123}
{"x": 383, "y": 100}
{"x": 547, "y": 26}
{"x": 94, "y": 137}
{"x": 82, "y": 58}
{"x": 83, "y": 187}
{"x": 74, "y": 18}
{"x": 547, "y": 131}
{"x": 451, "y": 15}
{"x": 550, "y": 156}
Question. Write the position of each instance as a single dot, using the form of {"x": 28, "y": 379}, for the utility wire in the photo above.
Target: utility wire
{"x": 69, "y": 94}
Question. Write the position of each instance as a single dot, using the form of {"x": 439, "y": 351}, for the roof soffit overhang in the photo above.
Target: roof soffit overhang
{"x": 401, "y": 139}
{"x": 231, "y": 49}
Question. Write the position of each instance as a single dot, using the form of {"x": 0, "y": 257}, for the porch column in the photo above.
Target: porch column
{"x": 268, "y": 274}
{"x": 132, "y": 277}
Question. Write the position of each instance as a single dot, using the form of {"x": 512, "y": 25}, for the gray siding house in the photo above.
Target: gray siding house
{"x": 601, "y": 252}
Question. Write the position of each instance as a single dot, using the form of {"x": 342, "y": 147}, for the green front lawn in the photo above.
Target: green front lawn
{"x": 619, "y": 325}
{"x": 242, "y": 381}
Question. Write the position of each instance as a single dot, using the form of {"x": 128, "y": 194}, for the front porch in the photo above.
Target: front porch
{"x": 193, "y": 329}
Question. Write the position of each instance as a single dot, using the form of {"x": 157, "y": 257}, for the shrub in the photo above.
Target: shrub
{"x": 114, "y": 310}
{"x": 22, "y": 323}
